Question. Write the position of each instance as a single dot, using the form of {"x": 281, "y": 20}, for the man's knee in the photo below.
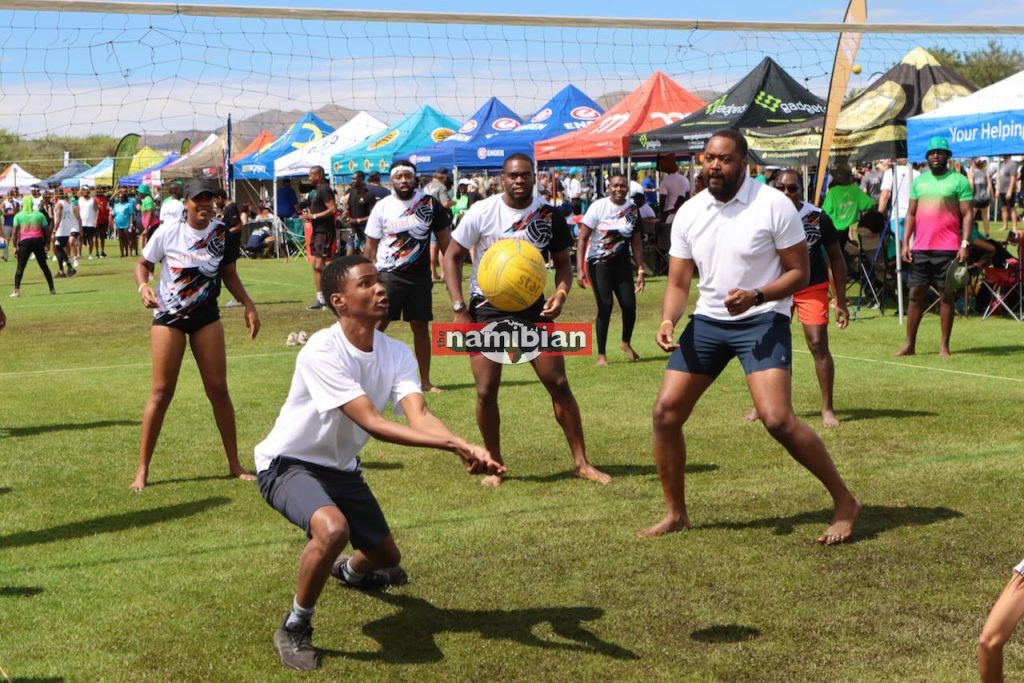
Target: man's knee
{"x": 992, "y": 640}
{"x": 487, "y": 393}
{"x": 667, "y": 415}
{"x": 779, "y": 423}
{"x": 330, "y": 529}
{"x": 818, "y": 347}
{"x": 917, "y": 295}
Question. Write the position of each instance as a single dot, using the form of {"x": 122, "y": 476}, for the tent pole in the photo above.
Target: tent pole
{"x": 277, "y": 238}
{"x": 899, "y": 238}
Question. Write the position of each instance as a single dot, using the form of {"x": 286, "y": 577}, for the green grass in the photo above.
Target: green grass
{"x": 542, "y": 579}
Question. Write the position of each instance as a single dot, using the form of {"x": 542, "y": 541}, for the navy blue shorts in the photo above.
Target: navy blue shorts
{"x": 761, "y": 342}
{"x": 481, "y": 311}
{"x": 196, "y": 320}
{"x": 297, "y": 489}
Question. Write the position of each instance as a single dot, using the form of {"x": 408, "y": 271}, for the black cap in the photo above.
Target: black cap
{"x": 198, "y": 186}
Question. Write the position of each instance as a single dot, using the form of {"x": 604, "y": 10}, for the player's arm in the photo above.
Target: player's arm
{"x": 370, "y": 248}
{"x": 454, "y": 256}
{"x": 908, "y": 229}
{"x": 442, "y": 224}
{"x": 637, "y": 245}
{"x": 229, "y": 274}
{"x": 796, "y": 272}
{"x": 582, "y": 244}
{"x": 563, "y": 283}
{"x": 673, "y": 305}
{"x": 362, "y": 411}
{"x": 143, "y": 269}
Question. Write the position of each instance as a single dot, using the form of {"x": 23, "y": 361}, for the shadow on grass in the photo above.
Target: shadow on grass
{"x": 267, "y": 303}
{"x": 19, "y": 679}
{"x": 993, "y": 350}
{"x": 111, "y": 523}
{"x": 855, "y": 414}
{"x": 874, "y": 520}
{"x": 615, "y": 471}
{"x": 504, "y": 383}
{"x": 725, "y": 633}
{"x": 381, "y": 465}
{"x": 19, "y": 591}
{"x": 4, "y": 489}
{"x": 65, "y": 427}
{"x": 191, "y": 480}
{"x": 408, "y": 637}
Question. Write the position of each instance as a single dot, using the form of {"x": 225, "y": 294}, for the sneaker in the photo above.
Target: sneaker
{"x": 296, "y": 648}
{"x": 293, "y": 339}
{"x": 15, "y": 294}
{"x": 302, "y": 338}
{"x": 53, "y": 291}
{"x": 315, "y": 306}
{"x": 378, "y": 579}
{"x": 73, "y": 272}
{"x": 52, "y": 258}
{"x": 61, "y": 274}
{"x": 232, "y": 304}
{"x": 103, "y": 254}
{"x": 74, "y": 263}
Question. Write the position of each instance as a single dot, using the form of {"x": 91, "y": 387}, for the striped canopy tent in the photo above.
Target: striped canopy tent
{"x": 204, "y": 160}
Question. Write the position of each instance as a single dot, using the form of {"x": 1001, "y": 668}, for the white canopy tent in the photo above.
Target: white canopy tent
{"x": 14, "y": 177}
{"x": 319, "y": 153}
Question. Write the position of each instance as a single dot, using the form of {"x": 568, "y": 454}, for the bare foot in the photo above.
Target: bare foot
{"x": 242, "y": 474}
{"x": 602, "y": 361}
{"x": 829, "y": 419}
{"x": 752, "y": 416}
{"x": 905, "y": 351}
{"x": 843, "y": 520}
{"x": 665, "y": 526}
{"x": 431, "y": 389}
{"x": 139, "y": 482}
{"x": 944, "y": 352}
{"x": 632, "y": 355}
{"x": 591, "y": 473}
{"x": 492, "y": 480}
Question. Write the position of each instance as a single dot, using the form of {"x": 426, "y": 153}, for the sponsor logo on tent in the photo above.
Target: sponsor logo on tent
{"x": 468, "y": 126}
{"x": 367, "y": 164}
{"x": 316, "y": 132}
{"x": 585, "y": 113}
{"x": 439, "y": 134}
{"x": 420, "y": 159}
{"x": 766, "y": 101}
{"x": 505, "y": 123}
{"x": 383, "y": 164}
{"x": 482, "y": 153}
{"x": 254, "y": 168}
{"x": 773, "y": 104}
{"x": 543, "y": 115}
{"x": 667, "y": 117}
{"x": 336, "y": 167}
{"x": 351, "y": 165}
{"x": 714, "y": 105}
{"x": 609, "y": 123}
{"x": 647, "y": 143}
{"x": 383, "y": 141}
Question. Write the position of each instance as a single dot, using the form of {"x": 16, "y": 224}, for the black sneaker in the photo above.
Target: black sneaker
{"x": 61, "y": 274}
{"x": 378, "y": 579}
{"x": 72, "y": 272}
{"x": 296, "y": 648}
{"x": 315, "y": 306}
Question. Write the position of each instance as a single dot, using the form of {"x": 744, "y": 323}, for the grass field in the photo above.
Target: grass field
{"x": 542, "y": 579}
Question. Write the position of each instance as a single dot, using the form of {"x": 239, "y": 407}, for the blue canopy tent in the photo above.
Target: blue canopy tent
{"x": 69, "y": 171}
{"x": 141, "y": 177}
{"x": 570, "y": 109}
{"x": 414, "y": 132}
{"x": 989, "y": 122}
{"x": 90, "y": 175}
{"x": 461, "y": 149}
{"x": 260, "y": 164}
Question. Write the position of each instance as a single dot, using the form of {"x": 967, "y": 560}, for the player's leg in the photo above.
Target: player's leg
{"x": 1001, "y": 622}
{"x": 418, "y": 310}
{"x": 487, "y": 377}
{"x": 208, "y": 348}
{"x": 602, "y": 286}
{"x": 625, "y": 293}
{"x": 915, "y": 311}
{"x": 551, "y": 371}
{"x": 39, "y": 251}
{"x": 167, "y": 347}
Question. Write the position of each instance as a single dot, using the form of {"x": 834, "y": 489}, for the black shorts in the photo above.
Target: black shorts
{"x": 929, "y": 268}
{"x": 191, "y": 323}
{"x": 298, "y": 489}
{"x": 320, "y": 245}
{"x": 408, "y": 299}
{"x": 62, "y": 241}
{"x": 481, "y": 311}
{"x": 761, "y": 342}
{"x": 89, "y": 230}
{"x": 1008, "y": 199}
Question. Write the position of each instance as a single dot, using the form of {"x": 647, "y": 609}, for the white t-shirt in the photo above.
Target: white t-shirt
{"x": 573, "y": 188}
{"x": 901, "y": 198}
{"x": 735, "y": 245}
{"x": 673, "y": 186}
{"x": 613, "y": 225}
{"x": 646, "y": 211}
{"x": 330, "y": 372}
{"x": 403, "y": 228}
{"x": 171, "y": 211}
{"x": 190, "y": 262}
{"x": 68, "y": 220}
{"x": 490, "y": 220}
{"x": 88, "y": 210}
{"x": 635, "y": 188}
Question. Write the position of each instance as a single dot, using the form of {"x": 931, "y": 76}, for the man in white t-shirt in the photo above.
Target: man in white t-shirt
{"x": 674, "y": 189}
{"x": 172, "y": 209}
{"x": 308, "y": 466}
{"x": 747, "y": 241}
{"x": 894, "y": 199}
{"x": 516, "y": 214}
{"x": 89, "y": 213}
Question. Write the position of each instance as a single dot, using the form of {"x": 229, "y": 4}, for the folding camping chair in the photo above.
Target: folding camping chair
{"x": 873, "y": 270}
{"x": 294, "y": 241}
{"x": 1005, "y": 290}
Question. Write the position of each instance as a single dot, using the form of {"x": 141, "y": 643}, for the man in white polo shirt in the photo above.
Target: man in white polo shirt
{"x": 747, "y": 241}
{"x": 308, "y": 466}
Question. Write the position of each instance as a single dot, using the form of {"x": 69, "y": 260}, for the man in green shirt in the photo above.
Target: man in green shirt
{"x": 845, "y": 202}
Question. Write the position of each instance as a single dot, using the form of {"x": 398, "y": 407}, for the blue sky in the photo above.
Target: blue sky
{"x": 87, "y": 73}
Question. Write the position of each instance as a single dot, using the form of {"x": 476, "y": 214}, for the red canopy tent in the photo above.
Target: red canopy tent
{"x": 259, "y": 142}
{"x": 657, "y": 102}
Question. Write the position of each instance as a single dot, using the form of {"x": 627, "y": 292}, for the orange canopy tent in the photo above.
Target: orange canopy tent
{"x": 262, "y": 140}
{"x": 658, "y": 102}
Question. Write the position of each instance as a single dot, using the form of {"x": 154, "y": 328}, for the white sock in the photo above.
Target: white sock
{"x": 320, "y": 297}
{"x": 350, "y": 575}
{"x": 299, "y": 617}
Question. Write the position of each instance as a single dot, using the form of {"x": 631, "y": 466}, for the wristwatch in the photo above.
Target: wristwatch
{"x": 964, "y": 244}
{"x": 458, "y": 306}
{"x": 758, "y": 297}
